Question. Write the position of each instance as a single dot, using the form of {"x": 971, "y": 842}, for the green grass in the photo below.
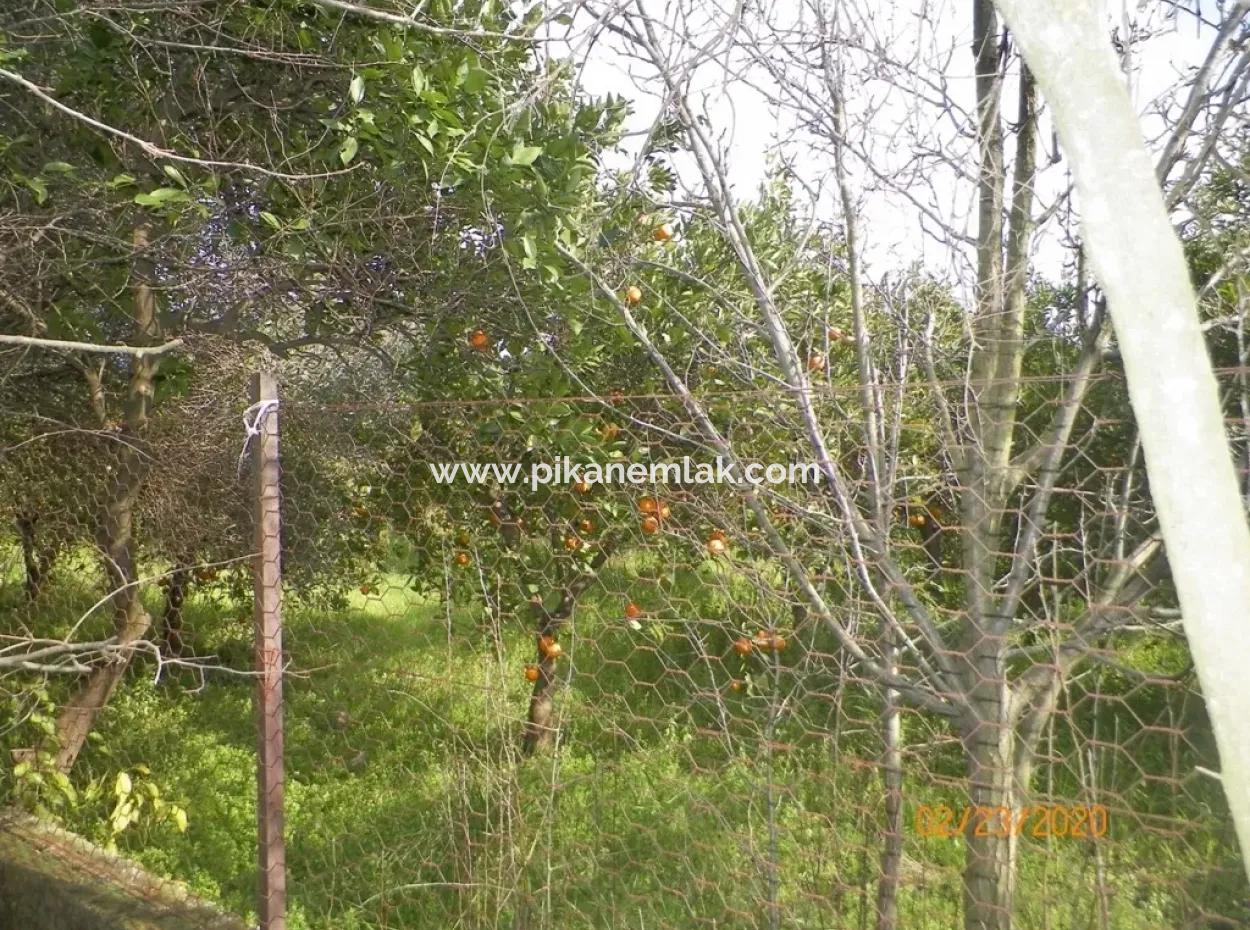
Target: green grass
{"x": 668, "y": 805}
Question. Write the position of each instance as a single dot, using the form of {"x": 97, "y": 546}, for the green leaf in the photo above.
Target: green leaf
{"x": 120, "y": 180}
{"x": 162, "y": 196}
{"x": 475, "y": 80}
{"x": 39, "y": 188}
{"x": 122, "y": 786}
{"x": 418, "y": 79}
{"x": 270, "y": 220}
{"x": 180, "y": 819}
{"x": 174, "y": 175}
{"x": 524, "y": 155}
{"x": 531, "y": 251}
{"x": 57, "y": 167}
{"x": 357, "y": 89}
{"x": 347, "y": 151}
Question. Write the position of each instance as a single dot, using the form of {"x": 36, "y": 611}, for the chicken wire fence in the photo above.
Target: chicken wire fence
{"x": 545, "y": 666}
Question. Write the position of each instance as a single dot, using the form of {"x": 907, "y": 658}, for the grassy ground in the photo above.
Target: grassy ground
{"x": 672, "y": 803}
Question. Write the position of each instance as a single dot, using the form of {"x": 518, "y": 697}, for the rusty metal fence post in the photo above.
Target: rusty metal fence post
{"x": 267, "y": 580}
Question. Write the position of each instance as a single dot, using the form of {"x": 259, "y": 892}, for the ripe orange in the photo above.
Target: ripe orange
{"x": 917, "y": 520}
{"x": 531, "y": 673}
{"x": 582, "y": 487}
{"x": 550, "y": 648}
{"x": 663, "y": 232}
{"x": 763, "y": 640}
{"x": 835, "y": 334}
{"x": 778, "y": 643}
{"x": 633, "y": 294}
{"x": 664, "y": 512}
{"x": 742, "y": 646}
{"x": 479, "y": 340}
{"x": 633, "y": 611}
{"x": 735, "y": 685}
{"x": 815, "y": 363}
{"x": 586, "y": 526}
{"x": 648, "y": 505}
{"x": 717, "y": 545}
{"x": 650, "y": 525}
{"x": 572, "y": 543}
{"x": 462, "y": 559}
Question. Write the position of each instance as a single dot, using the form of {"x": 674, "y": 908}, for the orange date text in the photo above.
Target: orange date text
{"x": 1075, "y": 821}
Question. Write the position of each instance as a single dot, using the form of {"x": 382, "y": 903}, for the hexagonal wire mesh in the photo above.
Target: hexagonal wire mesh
{"x": 530, "y": 699}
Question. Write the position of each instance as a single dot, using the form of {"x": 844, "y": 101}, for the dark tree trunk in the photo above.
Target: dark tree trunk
{"x": 36, "y": 561}
{"x": 540, "y": 731}
{"x": 171, "y": 620}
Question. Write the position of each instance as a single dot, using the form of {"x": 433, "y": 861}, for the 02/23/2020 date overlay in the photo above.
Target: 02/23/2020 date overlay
{"x": 1075, "y": 821}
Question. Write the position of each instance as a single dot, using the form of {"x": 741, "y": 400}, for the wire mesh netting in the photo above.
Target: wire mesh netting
{"x": 560, "y": 662}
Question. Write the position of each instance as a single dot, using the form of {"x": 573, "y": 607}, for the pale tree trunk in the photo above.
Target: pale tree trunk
{"x": 986, "y": 474}
{"x": 892, "y": 776}
{"x": 131, "y": 619}
{"x": 1138, "y": 261}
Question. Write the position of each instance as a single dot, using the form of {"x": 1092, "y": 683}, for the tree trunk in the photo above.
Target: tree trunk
{"x": 131, "y": 620}
{"x": 130, "y": 623}
{"x": 540, "y": 731}
{"x": 171, "y": 620}
{"x": 37, "y": 563}
{"x": 892, "y": 776}
{"x": 990, "y": 850}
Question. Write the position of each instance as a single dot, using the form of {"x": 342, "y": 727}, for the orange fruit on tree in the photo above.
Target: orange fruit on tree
{"x": 836, "y": 334}
{"x": 664, "y": 512}
{"x": 763, "y": 639}
{"x": 572, "y": 543}
{"x": 650, "y": 525}
{"x": 778, "y": 643}
{"x": 735, "y": 685}
{"x": 586, "y": 526}
{"x": 531, "y": 673}
{"x": 648, "y": 505}
{"x": 633, "y": 611}
{"x": 917, "y": 520}
{"x": 479, "y": 340}
{"x": 549, "y": 647}
{"x": 582, "y": 487}
{"x": 462, "y": 559}
{"x": 815, "y": 363}
{"x": 716, "y": 545}
{"x": 742, "y": 646}
{"x": 633, "y": 294}
{"x": 663, "y": 232}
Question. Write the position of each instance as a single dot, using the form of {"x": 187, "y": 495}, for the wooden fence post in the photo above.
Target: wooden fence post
{"x": 267, "y": 588}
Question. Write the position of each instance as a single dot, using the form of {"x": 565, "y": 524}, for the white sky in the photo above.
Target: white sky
{"x": 753, "y": 133}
